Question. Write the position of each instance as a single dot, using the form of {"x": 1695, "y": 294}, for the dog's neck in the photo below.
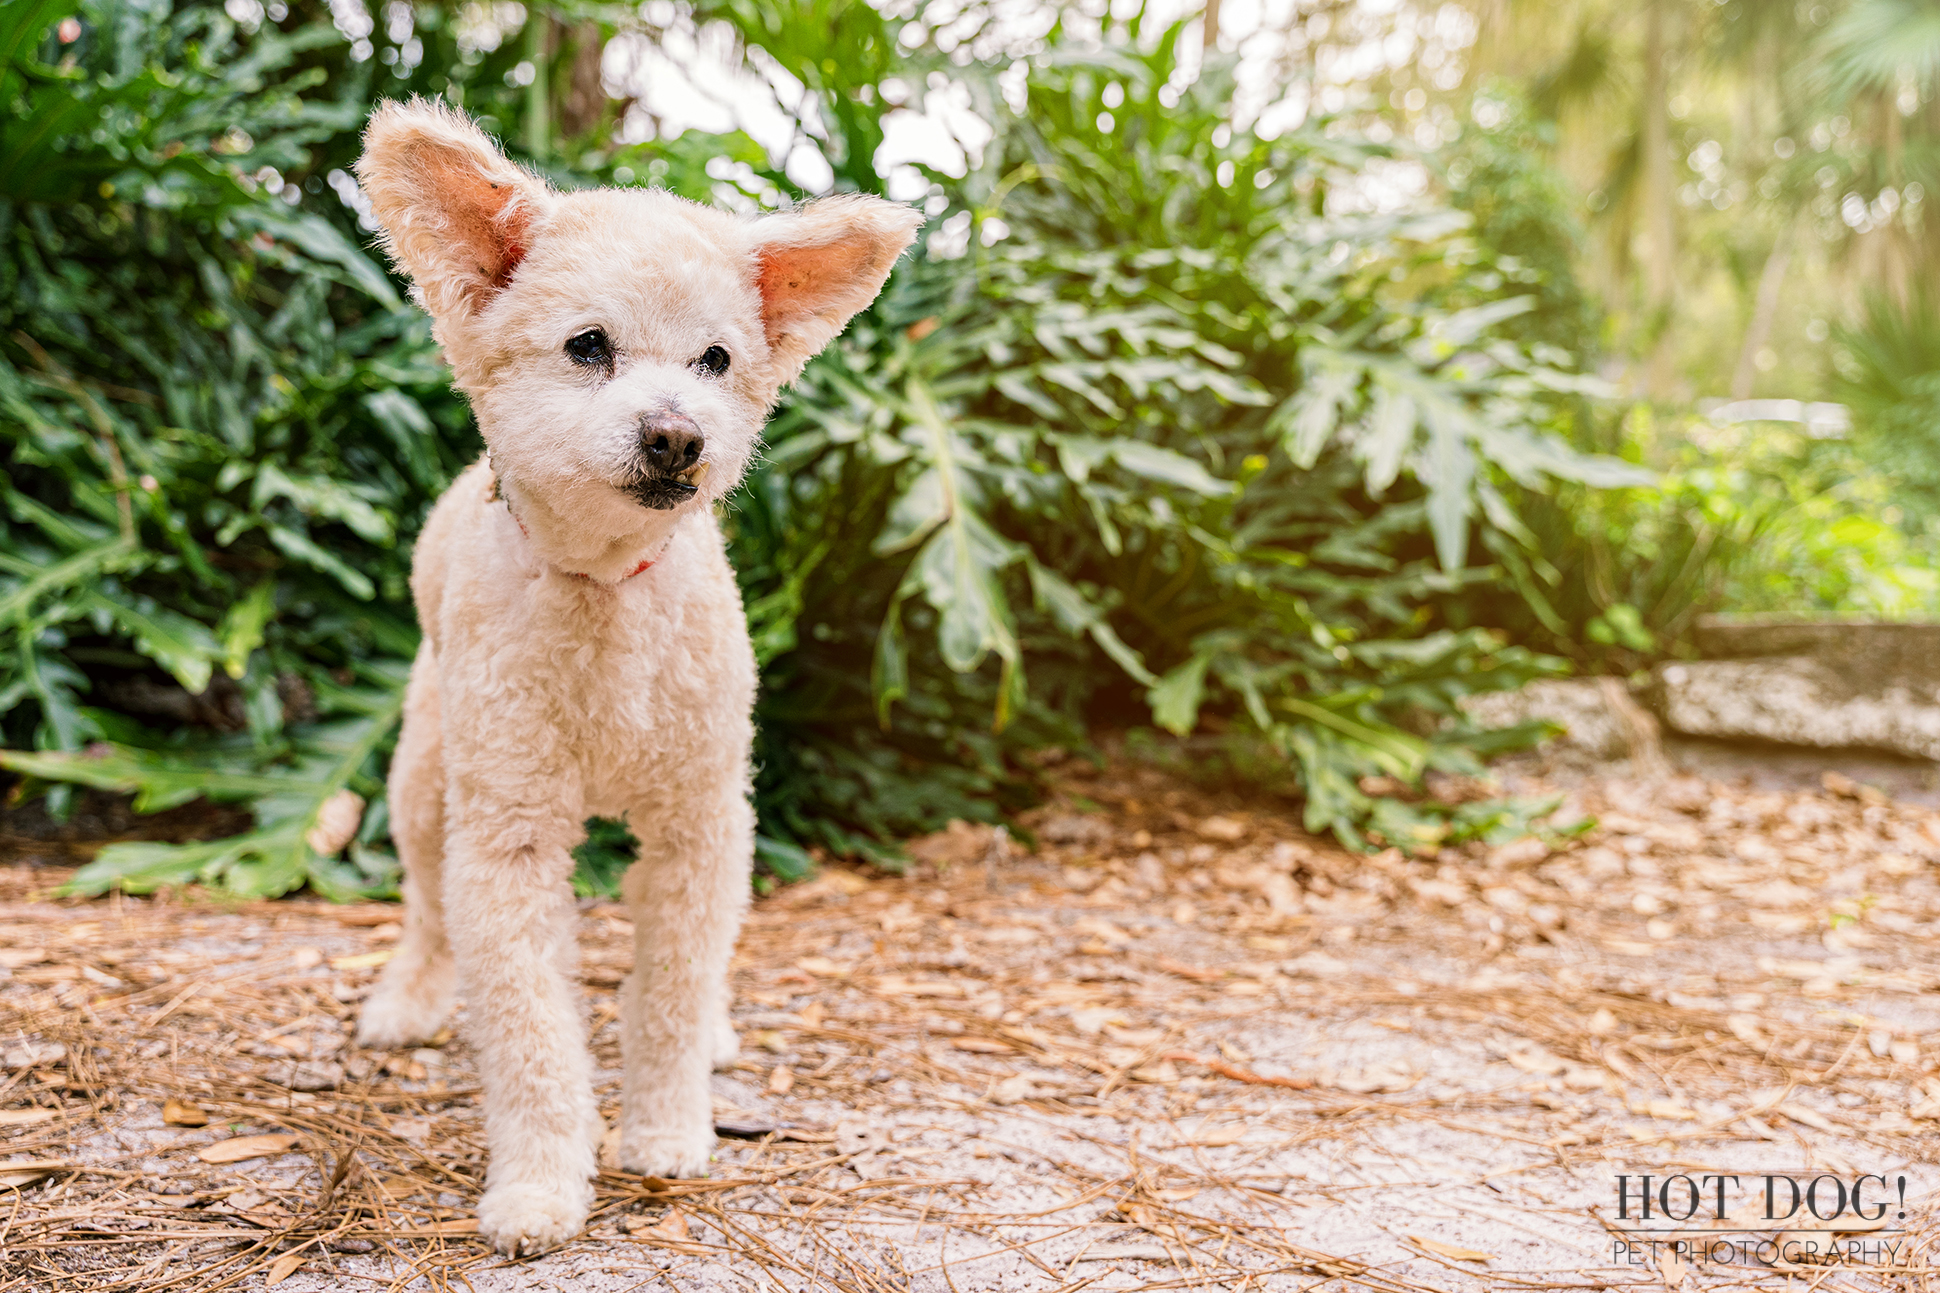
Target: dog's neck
{"x": 618, "y": 560}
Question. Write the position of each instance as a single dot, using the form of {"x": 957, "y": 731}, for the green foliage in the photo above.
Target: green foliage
{"x": 1525, "y": 218}
{"x": 1889, "y": 362}
{"x": 600, "y": 862}
{"x": 277, "y": 855}
{"x": 1182, "y": 448}
{"x": 1755, "y": 517}
{"x": 222, "y": 422}
{"x": 1831, "y": 540}
{"x": 1159, "y": 430}
{"x": 218, "y": 414}
{"x": 1752, "y": 518}
{"x": 1801, "y": 150}
{"x": 1877, "y": 46}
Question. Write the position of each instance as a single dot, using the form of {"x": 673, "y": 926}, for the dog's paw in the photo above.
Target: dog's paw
{"x": 396, "y": 1015}
{"x": 669, "y": 1155}
{"x": 523, "y": 1217}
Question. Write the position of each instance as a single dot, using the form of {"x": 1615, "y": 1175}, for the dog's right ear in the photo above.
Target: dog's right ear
{"x": 456, "y": 215}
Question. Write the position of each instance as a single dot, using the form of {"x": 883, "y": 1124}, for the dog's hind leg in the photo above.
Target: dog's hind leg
{"x": 415, "y": 994}
{"x": 509, "y": 898}
{"x": 686, "y": 896}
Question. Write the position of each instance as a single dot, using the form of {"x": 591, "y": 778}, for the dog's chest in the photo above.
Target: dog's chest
{"x": 612, "y": 688}
{"x": 625, "y": 660}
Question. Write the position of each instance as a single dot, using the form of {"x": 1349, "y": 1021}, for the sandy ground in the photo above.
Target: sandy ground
{"x": 1180, "y": 1044}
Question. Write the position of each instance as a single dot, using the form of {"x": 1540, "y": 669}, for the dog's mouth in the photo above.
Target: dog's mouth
{"x": 661, "y": 492}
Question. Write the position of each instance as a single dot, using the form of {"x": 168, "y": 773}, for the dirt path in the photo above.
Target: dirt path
{"x": 1181, "y": 1045}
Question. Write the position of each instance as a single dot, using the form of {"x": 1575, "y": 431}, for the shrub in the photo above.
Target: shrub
{"x": 221, "y": 420}
{"x": 1889, "y": 375}
{"x": 1178, "y": 431}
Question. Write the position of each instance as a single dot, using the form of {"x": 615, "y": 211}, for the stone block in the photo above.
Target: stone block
{"x": 1579, "y": 705}
{"x": 1865, "y": 654}
{"x": 1802, "y": 700}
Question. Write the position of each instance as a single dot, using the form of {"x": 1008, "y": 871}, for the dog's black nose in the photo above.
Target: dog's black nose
{"x": 670, "y": 442}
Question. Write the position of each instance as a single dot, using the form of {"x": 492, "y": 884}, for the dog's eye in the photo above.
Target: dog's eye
{"x": 590, "y": 348}
{"x": 713, "y": 360}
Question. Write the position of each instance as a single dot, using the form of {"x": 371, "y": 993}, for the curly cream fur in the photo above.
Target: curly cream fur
{"x": 555, "y": 684}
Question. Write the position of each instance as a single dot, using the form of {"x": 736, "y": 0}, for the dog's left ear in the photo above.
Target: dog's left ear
{"x": 815, "y": 268}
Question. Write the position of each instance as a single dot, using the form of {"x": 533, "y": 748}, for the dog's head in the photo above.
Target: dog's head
{"x": 621, "y": 347}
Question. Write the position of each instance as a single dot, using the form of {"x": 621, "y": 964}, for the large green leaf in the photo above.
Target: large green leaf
{"x": 241, "y": 631}
{"x": 957, "y": 569}
{"x": 1176, "y": 697}
{"x": 1075, "y": 614}
{"x": 1156, "y": 462}
{"x": 324, "y": 242}
{"x": 184, "y": 647}
{"x": 1447, "y": 467}
{"x": 80, "y": 567}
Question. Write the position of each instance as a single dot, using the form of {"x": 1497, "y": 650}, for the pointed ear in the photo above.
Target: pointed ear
{"x": 456, "y": 215}
{"x": 815, "y": 268}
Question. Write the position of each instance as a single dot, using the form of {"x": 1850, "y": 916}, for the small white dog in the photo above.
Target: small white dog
{"x": 584, "y": 649}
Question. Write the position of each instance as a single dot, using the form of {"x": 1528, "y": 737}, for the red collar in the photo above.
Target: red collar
{"x": 497, "y": 497}
{"x": 640, "y": 569}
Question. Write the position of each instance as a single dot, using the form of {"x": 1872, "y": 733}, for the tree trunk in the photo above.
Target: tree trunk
{"x": 1764, "y": 308}
{"x": 1209, "y": 32}
{"x": 538, "y": 95}
{"x": 1660, "y": 234}
{"x": 1897, "y": 255}
{"x": 1494, "y": 52}
{"x": 584, "y": 101}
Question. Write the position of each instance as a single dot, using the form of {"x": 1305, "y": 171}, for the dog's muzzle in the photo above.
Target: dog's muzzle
{"x": 670, "y": 459}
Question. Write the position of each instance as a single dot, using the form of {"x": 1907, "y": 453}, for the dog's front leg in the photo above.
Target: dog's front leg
{"x": 510, "y": 910}
{"x": 686, "y": 895}
{"x": 414, "y": 994}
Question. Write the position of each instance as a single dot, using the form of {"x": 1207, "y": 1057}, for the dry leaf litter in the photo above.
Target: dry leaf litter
{"x": 1178, "y": 1044}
